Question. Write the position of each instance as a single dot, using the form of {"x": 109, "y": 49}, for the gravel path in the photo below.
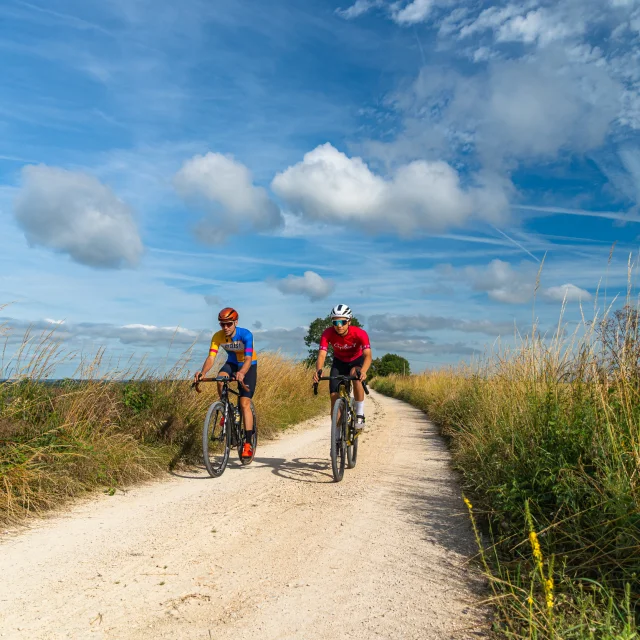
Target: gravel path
{"x": 275, "y": 550}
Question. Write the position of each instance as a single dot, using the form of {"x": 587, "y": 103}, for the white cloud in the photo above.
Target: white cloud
{"x": 224, "y": 189}
{"x": 141, "y": 335}
{"x": 329, "y": 186}
{"x": 312, "y": 285}
{"x": 505, "y": 283}
{"x": 536, "y": 26}
{"x": 416, "y": 11}
{"x": 391, "y": 323}
{"x": 359, "y": 8}
{"x": 498, "y": 279}
{"x": 568, "y": 292}
{"x": 74, "y": 213}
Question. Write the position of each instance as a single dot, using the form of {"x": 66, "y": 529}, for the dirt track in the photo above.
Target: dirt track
{"x": 275, "y": 550}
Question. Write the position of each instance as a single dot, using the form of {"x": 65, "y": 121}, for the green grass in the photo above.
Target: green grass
{"x": 61, "y": 441}
{"x": 547, "y": 440}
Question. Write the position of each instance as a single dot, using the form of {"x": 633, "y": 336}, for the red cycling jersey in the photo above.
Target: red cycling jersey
{"x": 347, "y": 347}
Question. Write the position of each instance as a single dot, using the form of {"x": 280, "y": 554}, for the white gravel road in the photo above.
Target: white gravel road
{"x": 275, "y": 550}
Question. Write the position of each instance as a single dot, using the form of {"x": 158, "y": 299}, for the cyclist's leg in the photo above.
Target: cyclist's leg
{"x": 245, "y": 397}
{"x": 337, "y": 369}
{"x": 225, "y": 372}
{"x": 358, "y": 391}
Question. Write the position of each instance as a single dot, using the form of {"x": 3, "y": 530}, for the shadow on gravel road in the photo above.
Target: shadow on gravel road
{"x": 315, "y": 470}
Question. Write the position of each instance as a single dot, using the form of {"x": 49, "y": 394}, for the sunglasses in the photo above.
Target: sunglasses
{"x": 226, "y": 324}
{"x": 339, "y": 323}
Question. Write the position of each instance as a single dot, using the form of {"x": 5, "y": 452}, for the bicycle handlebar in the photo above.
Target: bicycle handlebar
{"x": 196, "y": 385}
{"x": 364, "y": 382}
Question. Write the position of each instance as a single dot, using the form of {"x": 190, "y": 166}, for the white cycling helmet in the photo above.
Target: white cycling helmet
{"x": 341, "y": 311}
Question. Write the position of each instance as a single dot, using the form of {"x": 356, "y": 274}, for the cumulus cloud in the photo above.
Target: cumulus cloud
{"x": 223, "y": 188}
{"x": 74, "y": 213}
{"x": 312, "y": 285}
{"x": 391, "y": 323}
{"x": 568, "y": 292}
{"x": 329, "y": 186}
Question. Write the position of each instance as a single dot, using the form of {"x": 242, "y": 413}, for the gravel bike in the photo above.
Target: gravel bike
{"x": 344, "y": 440}
{"x": 223, "y": 428}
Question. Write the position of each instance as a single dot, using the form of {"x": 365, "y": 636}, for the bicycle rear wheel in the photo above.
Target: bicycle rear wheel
{"x": 338, "y": 444}
{"x": 216, "y": 440}
{"x": 254, "y": 440}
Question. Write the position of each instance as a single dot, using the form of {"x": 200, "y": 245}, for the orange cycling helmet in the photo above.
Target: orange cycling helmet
{"x": 228, "y": 314}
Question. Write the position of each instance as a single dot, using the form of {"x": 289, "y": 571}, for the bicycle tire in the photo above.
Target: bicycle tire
{"x": 338, "y": 445}
{"x": 219, "y": 452}
{"x": 254, "y": 440}
{"x": 352, "y": 450}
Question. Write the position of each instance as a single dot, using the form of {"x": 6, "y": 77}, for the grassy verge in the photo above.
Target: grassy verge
{"x": 60, "y": 441}
{"x": 547, "y": 439}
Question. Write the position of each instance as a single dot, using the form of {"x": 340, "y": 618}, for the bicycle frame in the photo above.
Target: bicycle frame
{"x": 344, "y": 441}
{"x": 232, "y": 430}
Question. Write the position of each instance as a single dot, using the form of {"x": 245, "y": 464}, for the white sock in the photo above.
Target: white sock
{"x": 360, "y": 408}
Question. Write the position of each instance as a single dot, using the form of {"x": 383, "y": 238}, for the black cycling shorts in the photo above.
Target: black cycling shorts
{"x": 340, "y": 368}
{"x": 250, "y": 379}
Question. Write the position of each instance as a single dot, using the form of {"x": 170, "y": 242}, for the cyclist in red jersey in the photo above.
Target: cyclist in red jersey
{"x": 351, "y": 357}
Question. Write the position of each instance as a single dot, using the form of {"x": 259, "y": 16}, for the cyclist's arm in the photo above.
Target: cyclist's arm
{"x": 322, "y": 356}
{"x": 248, "y": 353}
{"x": 367, "y": 361}
{"x": 322, "y": 351}
{"x": 211, "y": 358}
{"x": 208, "y": 363}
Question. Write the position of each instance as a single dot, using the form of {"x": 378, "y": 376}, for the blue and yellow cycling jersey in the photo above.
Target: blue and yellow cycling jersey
{"x": 238, "y": 347}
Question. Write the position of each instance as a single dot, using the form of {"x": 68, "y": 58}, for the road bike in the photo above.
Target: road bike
{"x": 344, "y": 440}
{"x": 223, "y": 428}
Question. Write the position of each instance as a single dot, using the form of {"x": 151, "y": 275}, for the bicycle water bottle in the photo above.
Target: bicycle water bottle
{"x": 236, "y": 416}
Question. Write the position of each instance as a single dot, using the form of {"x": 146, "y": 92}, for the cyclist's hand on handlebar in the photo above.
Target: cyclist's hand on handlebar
{"x": 316, "y": 376}
{"x": 197, "y": 376}
{"x": 240, "y": 377}
{"x": 362, "y": 375}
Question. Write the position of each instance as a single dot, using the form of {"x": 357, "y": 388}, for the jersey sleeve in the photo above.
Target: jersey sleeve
{"x": 247, "y": 338}
{"x": 364, "y": 339}
{"x": 215, "y": 343}
{"x": 324, "y": 341}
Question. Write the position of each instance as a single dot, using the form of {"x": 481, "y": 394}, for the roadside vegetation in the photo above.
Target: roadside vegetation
{"x": 547, "y": 440}
{"x": 105, "y": 432}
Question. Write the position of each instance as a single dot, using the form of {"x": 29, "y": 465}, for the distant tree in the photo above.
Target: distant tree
{"x": 312, "y": 339}
{"x": 390, "y": 363}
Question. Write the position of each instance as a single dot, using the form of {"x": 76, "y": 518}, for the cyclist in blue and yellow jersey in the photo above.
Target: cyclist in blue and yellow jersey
{"x": 242, "y": 365}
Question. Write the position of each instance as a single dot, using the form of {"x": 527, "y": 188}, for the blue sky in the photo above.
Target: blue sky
{"x": 414, "y": 159}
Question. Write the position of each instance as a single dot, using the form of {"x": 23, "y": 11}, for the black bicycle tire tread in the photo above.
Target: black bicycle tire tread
{"x": 205, "y": 442}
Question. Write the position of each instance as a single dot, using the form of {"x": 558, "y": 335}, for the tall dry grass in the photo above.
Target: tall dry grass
{"x": 109, "y": 430}
{"x": 547, "y": 439}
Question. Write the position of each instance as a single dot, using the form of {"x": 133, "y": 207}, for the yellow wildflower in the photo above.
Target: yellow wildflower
{"x": 469, "y": 505}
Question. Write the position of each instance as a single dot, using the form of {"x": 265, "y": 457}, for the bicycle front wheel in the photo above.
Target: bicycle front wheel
{"x": 352, "y": 450}
{"x": 216, "y": 440}
{"x": 338, "y": 444}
